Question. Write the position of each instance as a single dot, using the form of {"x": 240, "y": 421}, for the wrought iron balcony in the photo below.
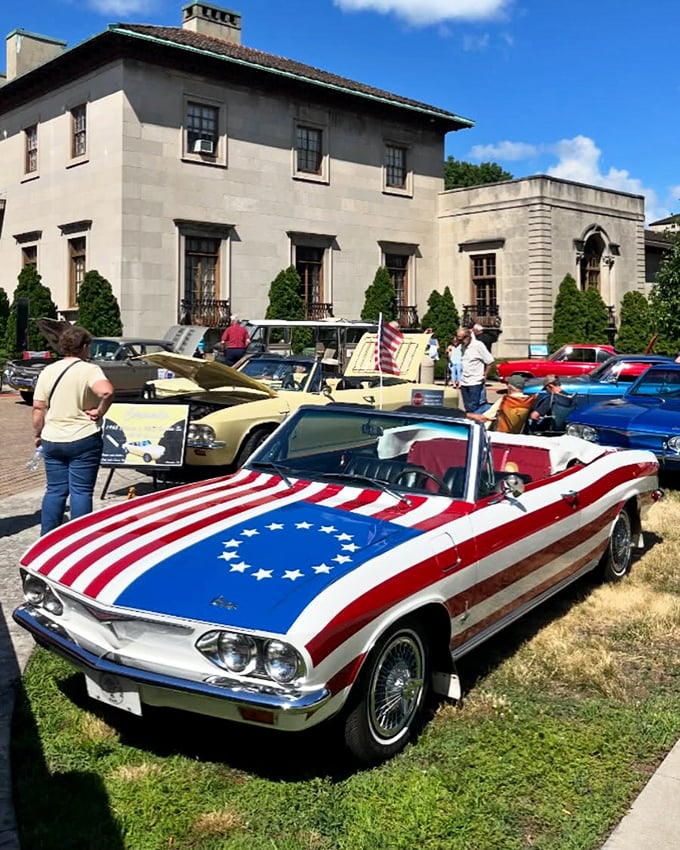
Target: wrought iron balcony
{"x": 315, "y": 311}
{"x": 486, "y": 315}
{"x": 407, "y": 316}
{"x": 211, "y": 312}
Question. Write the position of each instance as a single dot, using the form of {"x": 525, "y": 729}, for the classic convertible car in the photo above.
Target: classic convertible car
{"x": 647, "y": 416}
{"x": 341, "y": 573}
{"x": 232, "y": 411}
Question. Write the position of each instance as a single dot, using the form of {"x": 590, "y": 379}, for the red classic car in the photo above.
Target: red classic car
{"x": 567, "y": 360}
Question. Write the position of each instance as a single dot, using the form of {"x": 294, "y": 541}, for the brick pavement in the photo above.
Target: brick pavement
{"x": 16, "y": 447}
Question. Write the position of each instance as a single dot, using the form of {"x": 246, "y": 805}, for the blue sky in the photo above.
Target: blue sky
{"x": 586, "y": 90}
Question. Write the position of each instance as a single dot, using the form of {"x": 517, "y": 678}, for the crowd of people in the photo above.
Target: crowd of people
{"x": 468, "y": 364}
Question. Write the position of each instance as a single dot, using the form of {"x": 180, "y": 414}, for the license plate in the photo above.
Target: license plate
{"x": 114, "y": 690}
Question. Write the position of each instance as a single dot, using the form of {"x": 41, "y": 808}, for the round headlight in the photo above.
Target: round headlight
{"x": 588, "y": 433}
{"x": 52, "y": 604}
{"x": 34, "y": 590}
{"x": 281, "y": 661}
{"x": 238, "y": 653}
{"x": 673, "y": 444}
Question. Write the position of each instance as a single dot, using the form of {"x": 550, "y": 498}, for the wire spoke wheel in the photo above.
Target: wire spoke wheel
{"x": 617, "y": 558}
{"x": 388, "y": 701}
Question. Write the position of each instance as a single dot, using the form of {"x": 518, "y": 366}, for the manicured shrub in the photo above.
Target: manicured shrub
{"x": 98, "y": 309}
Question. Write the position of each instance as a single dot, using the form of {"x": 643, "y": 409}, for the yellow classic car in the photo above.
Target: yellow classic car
{"x": 232, "y": 411}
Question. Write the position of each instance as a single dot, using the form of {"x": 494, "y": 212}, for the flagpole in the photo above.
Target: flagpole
{"x": 380, "y": 385}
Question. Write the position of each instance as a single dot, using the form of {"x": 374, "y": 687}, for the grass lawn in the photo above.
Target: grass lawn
{"x": 564, "y": 718}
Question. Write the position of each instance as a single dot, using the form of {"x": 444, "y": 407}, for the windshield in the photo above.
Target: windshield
{"x": 362, "y": 447}
{"x": 657, "y": 382}
{"x": 104, "y": 349}
{"x": 284, "y": 373}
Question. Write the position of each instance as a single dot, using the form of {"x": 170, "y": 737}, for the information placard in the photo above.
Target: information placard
{"x": 145, "y": 435}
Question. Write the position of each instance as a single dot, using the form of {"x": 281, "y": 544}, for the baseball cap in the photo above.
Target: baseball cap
{"x": 550, "y": 379}
{"x": 517, "y": 382}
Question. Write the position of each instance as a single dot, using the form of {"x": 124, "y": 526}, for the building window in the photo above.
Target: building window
{"x": 201, "y": 268}
{"x": 76, "y": 248}
{"x": 29, "y": 255}
{"x": 309, "y": 265}
{"x": 79, "y": 131}
{"x": 484, "y": 292}
{"x": 395, "y": 167}
{"x": 31, "y": 163}
{"x": 202, "y": 129}
{"x": 309, "y": 149}
{"x": 591, "y": 263}
{"x": 397, "y": 266}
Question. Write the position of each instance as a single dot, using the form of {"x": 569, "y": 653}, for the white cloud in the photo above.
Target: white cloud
{"x": 578, "y": 159}
{"x": 508, "y": 151}
{"x": 124, "y": 8}
{"x": 424, "y": 12}
{"x": 474, "y": 43}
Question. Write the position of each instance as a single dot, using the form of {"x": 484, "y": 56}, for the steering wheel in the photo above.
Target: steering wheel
{"x": 443, "y": 488}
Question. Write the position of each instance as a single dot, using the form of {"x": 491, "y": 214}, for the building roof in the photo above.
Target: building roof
{"x": 200, "y": 53}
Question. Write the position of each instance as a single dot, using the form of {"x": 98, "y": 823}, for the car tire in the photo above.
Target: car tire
{"x": 615, "y": 563}
{"x": 26, "y": 396}
{"x": 253, "y": 441}
{"x": 388, "y": 699}
{"x": 146, "y": 457}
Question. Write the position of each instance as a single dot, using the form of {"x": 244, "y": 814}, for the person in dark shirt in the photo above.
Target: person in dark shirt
{"x": 483, "y": 336}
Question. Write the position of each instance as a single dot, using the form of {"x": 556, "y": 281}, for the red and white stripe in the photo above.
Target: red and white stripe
{"x": 387, "y": 343}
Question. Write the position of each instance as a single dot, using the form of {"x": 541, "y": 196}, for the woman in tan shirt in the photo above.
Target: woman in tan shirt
{"x": 70, "y": 399}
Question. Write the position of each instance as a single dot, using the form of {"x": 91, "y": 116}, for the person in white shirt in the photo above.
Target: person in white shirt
{"x": 477, "y": 363}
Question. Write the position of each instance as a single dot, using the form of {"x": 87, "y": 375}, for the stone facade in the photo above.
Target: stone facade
{"x": 538, "y": 229}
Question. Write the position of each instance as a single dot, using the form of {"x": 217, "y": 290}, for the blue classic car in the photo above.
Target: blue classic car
{"x": 646, "y": 417}
{"x": 608, "y": 380}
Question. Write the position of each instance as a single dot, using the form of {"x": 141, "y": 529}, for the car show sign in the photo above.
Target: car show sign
{"x": 427, "y": 398}
{"x": 145, "y": 435}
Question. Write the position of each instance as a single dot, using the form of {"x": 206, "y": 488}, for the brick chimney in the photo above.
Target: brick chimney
{"x": 212, "y": 20}
{"x": 26, "y": 50}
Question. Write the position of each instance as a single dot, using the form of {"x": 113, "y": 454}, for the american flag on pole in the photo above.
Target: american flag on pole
{"x": 387, "y": 343}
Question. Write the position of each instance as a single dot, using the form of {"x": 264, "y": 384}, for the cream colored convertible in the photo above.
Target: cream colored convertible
{"x": 233, "y": 411}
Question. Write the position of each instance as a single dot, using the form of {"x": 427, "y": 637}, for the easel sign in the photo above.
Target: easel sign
{"x": 145, "y": 435}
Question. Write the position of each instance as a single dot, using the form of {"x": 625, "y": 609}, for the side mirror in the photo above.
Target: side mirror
{"x": 511, "y": 486}
{"x": 326, "y": 390}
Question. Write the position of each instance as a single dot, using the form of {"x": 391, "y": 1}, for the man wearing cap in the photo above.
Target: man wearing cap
{"x": 511, "y": 411}
{"x": 552, "y": 407}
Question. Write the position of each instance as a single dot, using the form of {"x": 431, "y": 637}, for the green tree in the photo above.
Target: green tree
{"x": 98, "y": 309}
{"x": 569, "y": 315}
{"x": 458, "y": 174}
{"x": 380, "y": 297}
{"x": 4, "y": 315}
{"x": 443, "y": 317}
{"x": 635, "y": 326}
{"x": 596, "y": 317}
{"x": 286, "y": 302}
{"x": 40, "y": 305}
{"x": 664, "y": 299}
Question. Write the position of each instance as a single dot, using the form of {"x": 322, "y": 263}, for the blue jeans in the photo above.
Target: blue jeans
{"x": 71, "y": 470}
{"x": 473, "y": 397}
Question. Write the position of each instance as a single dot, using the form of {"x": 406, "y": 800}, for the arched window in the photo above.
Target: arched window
{"x": 591, "y": 263}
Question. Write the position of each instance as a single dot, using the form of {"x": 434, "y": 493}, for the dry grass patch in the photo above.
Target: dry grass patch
{"x": 135, "y": 772}
{"x": 94, "y": 730}
{"x": 218, "y": 823}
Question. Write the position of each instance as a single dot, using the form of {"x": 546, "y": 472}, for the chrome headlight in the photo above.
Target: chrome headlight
{"x": 237, "y": 652}
{"x": 200, "y": 433}
{"x": 673, "y": 444}
{"x": 281, "y": 661}
{"x": 585, "y": 432}
{"x": 38, "y": 593}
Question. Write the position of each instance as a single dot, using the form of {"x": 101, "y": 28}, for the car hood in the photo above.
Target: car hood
{"x": 409, "y": 356}
{"x": 245, "y": 551}
{"x": 208, "y": 374}
{"x": 184, "y": 338}
{"x": 628, "y": 413}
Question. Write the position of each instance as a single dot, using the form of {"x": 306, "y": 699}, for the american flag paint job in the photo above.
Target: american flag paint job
{"x": 328, "y": 567}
